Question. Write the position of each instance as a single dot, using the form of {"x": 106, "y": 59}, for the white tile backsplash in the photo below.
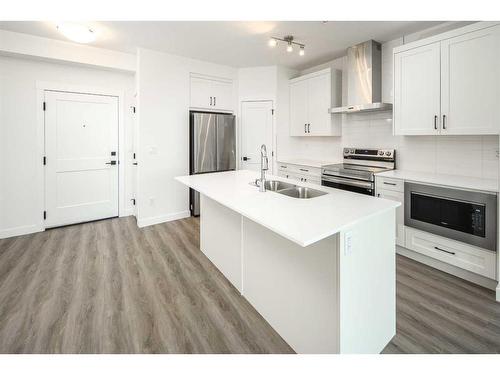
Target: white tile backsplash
{"x": 474, "y": 156}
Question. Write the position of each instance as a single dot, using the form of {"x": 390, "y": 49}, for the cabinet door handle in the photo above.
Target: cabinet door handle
{"x": 305, "y": 128}
{"x": 443, "y": 250}
{"x": 444, "y": 121}
{"x": 308, "y": 128}
{"x": 303, "y": 170}
{"x": 210, "y": 100}
{"x": 283, "y": 166}
{"x": 435, "y": 122}
{"x": 215, "y": 100}
{"x": 389, "y": 183}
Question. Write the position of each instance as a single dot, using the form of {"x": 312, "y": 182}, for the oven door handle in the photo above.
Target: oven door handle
{"x": 367, "y": 185}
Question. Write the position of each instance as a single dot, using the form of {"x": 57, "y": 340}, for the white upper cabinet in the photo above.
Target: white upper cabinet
{"x": 449, "y": 84}
{"x": 298, "y": 108}
{"x": 470, "y": 83}
{"x": 211, "y": 93}
{"x": 417, "y": 89}
{"x": 311, "y": 96}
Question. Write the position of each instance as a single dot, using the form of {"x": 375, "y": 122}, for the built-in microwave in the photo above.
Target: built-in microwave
{"x": 462, "y": 215}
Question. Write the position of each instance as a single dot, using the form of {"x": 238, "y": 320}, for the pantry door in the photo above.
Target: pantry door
{"x": 81, "y": 150}
{"x": 256, "y": 130}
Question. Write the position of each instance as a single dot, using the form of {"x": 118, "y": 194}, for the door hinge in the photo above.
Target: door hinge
{"x": 44, "y": 106}
{"x": 272, "y": 111}
{"x": 44, "y": 215}
{"x": 44, "y": 160}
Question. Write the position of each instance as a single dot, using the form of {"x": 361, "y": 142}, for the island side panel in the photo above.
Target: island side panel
{"x": 368, "y": 285}
{"x": 294, "y": 288}
{"x": 220, "y": 238}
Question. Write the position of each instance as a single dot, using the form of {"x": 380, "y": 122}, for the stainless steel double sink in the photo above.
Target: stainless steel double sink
{"x": 291, "y": 190}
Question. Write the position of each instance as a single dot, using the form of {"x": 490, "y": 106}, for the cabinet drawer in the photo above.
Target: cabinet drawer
{"x": 300, "y": 169}
{"x": 299, "y": 177}
{"x": 390, "y": 184}
{"x": 470, "y": 258}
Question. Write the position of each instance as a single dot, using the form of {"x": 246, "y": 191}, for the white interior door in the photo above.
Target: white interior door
{"x": 256, "y": 129}
{"x": 81, "y": 135}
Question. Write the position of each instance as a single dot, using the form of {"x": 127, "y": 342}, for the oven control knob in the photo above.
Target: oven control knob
{"x": 388, "y": 153}
{"x": 352, "y": 151}
{"x": 381, "y": 153}
{"x": 346, "y": 151}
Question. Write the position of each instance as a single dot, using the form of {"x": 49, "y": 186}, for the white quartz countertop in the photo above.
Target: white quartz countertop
{"x": 461, "y": 182}
{"x": 308, "y": 162}
{"x": 303, "y": 221}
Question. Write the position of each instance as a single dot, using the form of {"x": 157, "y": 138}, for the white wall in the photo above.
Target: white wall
{"x": 21, "y": 205}
{"x": 22, "y": 45}
{"x": 163, "y": 131}
{"x": 474, "y": 156}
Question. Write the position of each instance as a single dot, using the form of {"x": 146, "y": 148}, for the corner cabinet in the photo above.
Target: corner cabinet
{"x": 311, "y": 96}
{"x": 449, "y": 84}
{"x": 211, "y": 93}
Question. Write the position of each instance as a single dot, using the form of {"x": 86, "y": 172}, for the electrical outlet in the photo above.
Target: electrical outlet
{"x": 348, "y": 243}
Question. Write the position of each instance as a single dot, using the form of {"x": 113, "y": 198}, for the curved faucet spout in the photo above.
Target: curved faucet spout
{"x": 264, "y": 166}
{"x": 263, "y": 150}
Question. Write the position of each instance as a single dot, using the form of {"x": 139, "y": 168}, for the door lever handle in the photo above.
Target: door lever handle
{"x": 112, "y": 162}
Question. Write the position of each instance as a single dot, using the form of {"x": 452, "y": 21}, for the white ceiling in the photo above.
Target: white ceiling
{"x": 238, "y": 44}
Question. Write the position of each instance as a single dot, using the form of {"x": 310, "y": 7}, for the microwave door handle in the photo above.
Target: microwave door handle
{"x": 362, "y": 184}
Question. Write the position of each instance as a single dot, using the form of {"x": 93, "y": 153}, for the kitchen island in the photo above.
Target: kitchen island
{"x": 321, "y": 270}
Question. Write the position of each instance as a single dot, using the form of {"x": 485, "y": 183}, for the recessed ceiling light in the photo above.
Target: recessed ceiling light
{"x": 302, "y": 51}
{"x": 289, "y": 47}
{"x": 76, "y": 32}
{"x": 272, "y": 42}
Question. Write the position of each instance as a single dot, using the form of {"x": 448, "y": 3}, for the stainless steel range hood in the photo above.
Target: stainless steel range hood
{"x": 364, "y": 79}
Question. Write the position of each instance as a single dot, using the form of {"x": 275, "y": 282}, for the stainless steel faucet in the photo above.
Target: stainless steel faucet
{"x": 264, "y": 166}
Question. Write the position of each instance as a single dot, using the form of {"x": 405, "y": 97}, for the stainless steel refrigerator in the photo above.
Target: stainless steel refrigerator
{"x": 212, "y": 147}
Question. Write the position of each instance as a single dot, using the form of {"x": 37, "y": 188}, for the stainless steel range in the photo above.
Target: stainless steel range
{"x": 357, "y": 172}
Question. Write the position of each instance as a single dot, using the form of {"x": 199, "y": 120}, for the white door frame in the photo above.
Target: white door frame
{"x": 270, "y": 153}
{"x": 41, "y": 87}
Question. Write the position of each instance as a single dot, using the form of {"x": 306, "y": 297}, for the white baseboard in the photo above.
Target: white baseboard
{"x": 20, "y": 231}
{"x": 144, "y": 222}
{"x": 128, "y": 212}
{"x": 448, "y": 268}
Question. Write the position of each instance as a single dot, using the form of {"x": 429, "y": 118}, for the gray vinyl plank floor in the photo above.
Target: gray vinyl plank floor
{"x": 111, "y": 287}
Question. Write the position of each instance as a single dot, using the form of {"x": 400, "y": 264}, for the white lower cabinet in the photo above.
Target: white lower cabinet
{"x": 301, "y": 173}
{"x": 458, "y": 254}
{"x": 400, "y": 212}
{"x": 470, "y": 258}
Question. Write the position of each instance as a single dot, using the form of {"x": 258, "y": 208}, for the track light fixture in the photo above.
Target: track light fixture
{"x": 288, "y": 39}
